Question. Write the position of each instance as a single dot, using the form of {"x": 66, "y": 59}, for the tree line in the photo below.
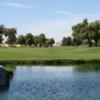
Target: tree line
{"x": 28, "y": 40}
{"x": 37, "y": 41}
{"x": 84, "y": 33}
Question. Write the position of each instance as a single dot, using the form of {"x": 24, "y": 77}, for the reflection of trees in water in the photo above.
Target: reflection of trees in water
{"x": 87, "y": 68}
{"x": 4, "y": 89}
{"x": 4, "y": 93}
{"x": 10, "y": 68}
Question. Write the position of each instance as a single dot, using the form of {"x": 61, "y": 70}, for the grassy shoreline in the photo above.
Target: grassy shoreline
{"x": 55, "y": 55}
{"x": 50, "y": 62}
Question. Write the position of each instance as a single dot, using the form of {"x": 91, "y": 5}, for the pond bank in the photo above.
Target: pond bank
{"x": 50, "y": 62}
{"x": 4, "y": 78}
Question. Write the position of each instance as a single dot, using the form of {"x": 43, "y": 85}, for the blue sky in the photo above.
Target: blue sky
{"x": 52, "y": 17}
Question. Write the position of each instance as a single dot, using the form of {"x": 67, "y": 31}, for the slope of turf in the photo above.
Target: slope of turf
{"x": 56, "y": 53}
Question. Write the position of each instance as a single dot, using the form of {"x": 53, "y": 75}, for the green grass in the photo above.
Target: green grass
{"x": 56, "y": 53}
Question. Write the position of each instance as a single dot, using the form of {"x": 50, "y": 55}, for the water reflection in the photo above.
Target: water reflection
{"x": 54, "y": 83}
{"x": 80, "y": 67}
{"x": 87, "y": 68}
{"x": 11, "y": 69}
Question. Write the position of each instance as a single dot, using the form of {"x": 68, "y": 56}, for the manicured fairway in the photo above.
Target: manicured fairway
{"x": 55, "y": 53}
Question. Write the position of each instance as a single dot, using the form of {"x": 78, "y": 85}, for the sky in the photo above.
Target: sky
{"x": 55, "y": 18}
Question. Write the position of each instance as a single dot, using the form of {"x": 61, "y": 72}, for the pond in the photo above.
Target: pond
{"x": 54, "y": 83}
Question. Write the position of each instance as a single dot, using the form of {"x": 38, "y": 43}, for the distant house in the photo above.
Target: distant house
{"x": 18, "y": 45}
{"x": 4, "y": 45}
{"x": 57, "y": 44}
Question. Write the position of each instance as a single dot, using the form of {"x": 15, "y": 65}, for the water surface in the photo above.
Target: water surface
{"x": 53, "y": 83}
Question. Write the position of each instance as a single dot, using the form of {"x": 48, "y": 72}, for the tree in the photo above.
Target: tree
{"x": 36, "y": 40}
{"x": 11, "y": 35}
{"x": 83, "y": 32}
{"x": 76, "y": 41}
{"x": 1, "y": 39}
{"x": 29, "y": 39}
{"x": 41, "y": 39}
{"x": 50, "y": 42}
{"x": 67, "y": 41}
{"x": 94, "y": 28}
{"x": 21, "y": 40}
{"x": 1, "y": 33}
{"x": 64, "y": 41}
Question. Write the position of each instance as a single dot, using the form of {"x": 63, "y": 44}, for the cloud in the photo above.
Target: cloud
{"x": 64, "y": 13}
{"x": 17, "y": 5}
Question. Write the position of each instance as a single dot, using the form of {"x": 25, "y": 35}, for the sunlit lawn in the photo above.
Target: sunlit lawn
{"x": 55, "y": 53}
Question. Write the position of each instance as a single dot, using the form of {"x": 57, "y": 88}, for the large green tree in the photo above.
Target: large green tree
{"x": 42, "y": 39}
{"x": 94, "y": 28}
{"x": 76, "y": 41}
{"x": 29, "y": 39}
{"x": 36, "y": 40}
{"x": 82, "y": 31}
{"x": 11, "y": 36}
{"x": 64, "y": 41}
{"x": 50, "y": 42}
{"x": 21, "y": 40}
{"x": 67, "y": 41}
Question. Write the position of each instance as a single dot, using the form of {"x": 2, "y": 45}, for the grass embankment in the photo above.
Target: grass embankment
{"x": 56, "y": 54}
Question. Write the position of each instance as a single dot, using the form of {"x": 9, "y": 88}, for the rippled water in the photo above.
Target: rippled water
{"x": 53, "y": 83}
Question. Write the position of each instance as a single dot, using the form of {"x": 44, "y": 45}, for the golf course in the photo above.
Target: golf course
{"x": 50, "y": 54}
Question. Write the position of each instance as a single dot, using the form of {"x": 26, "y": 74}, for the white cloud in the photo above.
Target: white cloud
{"x": 64, "y": 13}
{"x": 17, "y": 5}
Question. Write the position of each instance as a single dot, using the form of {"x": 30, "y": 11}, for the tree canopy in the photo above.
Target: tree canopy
{"x": 89, "y": 32}
{"x": 11, "y": 35}
{"x": 83, "y": 33}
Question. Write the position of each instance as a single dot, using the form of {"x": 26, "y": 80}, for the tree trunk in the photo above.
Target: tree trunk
{"x": 90, "y": 43}
{"x": 96, "y": 43}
